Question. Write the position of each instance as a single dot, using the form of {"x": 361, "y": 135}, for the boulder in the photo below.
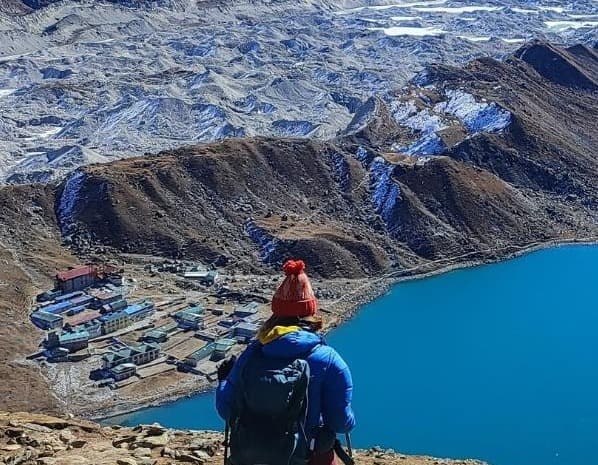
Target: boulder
{"x": 26, "y": 440}
{"x": 78, "y": 443}
{"x": 155, "y": 429}
{"x": 13, "y": 432}
{"x": 168, "y": 452}
{"x": 10, "y": 447}
{"x": 142, "y": 452}
{"x": 66, "y": 436}
{"x": 126, "y": 461}
{"x": 147, "y": 461}
{"x": 190, "y": 458}
{"x": 38, "y": 428}
{"x": 201, "y": 454}
{"x": 153, "y": 441}
{"x": 123, "y": 439}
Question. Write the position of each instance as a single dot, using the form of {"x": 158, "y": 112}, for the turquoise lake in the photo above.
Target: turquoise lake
{"x": 498, "y": 362}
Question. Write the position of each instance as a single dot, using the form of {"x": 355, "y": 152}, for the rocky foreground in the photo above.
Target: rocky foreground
{"x": 40, "y": 439}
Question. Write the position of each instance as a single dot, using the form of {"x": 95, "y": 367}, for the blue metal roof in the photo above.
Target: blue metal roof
{"x": 75, "y": 310}
{"x": 136, "y": 308}
{"x": 57, "y": 308}
{"x": 132, "y": 309}
{"x": 113, "y": 316}
{"x": 44, "y": 316}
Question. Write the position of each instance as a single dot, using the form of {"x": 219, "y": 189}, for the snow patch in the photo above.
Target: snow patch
{"x": 68, "y": 201}
{"x": 48, "y": 133}
{"x": 410, "y": 31}
{"x": 475, "y": 39}
{"x": 341, "y": 171}
{"x": 323, "y": 75}
{"x": 289, "y": 128}
{"x": 251, "y": 104}
{"x": 422, "y": 79}
{"x": 428, "y": 145}
{"x": 405, "y": 18}
{"x": 583, "y": 16}
{"x": 407, "y": 114}
{"x": 555, "y": 9}
{"x": 476, "y": 116}
{"x": 525, "y": 11}
{"x": 385, "y": 192}
{"x": 456, "y": 10}
{"x": 394, "y": 5}
{"x": 265, "y": 241}
{"x": 560, "y": 26}
{"x": 424, "y": 121}
{"x": 6, "y": 92}
{"x": 362, "y": 155}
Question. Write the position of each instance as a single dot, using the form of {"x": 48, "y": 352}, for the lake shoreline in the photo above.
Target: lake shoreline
{"x": 345, "y": 309}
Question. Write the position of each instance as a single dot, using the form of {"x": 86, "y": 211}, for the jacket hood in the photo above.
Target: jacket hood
{"x": 292, "y": 344}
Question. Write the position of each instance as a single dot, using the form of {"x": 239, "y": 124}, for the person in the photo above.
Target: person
{"x": 292, "y": 333}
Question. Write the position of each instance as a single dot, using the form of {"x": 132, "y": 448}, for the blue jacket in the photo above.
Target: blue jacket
{"x": 330, "y": 385}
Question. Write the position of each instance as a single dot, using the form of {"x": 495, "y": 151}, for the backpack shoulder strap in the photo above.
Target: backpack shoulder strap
{"x": 254, "y": 350}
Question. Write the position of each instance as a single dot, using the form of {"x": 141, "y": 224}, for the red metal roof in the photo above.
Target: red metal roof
{"x": 76, "y": 273}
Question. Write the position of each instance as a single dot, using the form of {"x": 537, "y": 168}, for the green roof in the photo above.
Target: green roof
{"x": 224, "y": 344}
{"x": 72, "y": 337}
{"x": 123, "y": 367}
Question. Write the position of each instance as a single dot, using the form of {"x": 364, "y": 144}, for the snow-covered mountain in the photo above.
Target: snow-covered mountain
{"x": 86, "y": 81}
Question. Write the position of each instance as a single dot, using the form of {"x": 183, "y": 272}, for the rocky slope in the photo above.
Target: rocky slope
{"x": 85, "y": 82}
{"x": 45, "y": 440}
{"x": 463, "y": 160}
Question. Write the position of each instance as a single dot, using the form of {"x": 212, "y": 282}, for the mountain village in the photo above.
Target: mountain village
{"x": 125, "y": 331}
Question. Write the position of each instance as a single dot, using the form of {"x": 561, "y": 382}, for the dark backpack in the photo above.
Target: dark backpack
{"x": 267, "y": 424}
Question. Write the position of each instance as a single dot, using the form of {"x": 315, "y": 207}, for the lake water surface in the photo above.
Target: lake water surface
{"x": 498, "y": 362}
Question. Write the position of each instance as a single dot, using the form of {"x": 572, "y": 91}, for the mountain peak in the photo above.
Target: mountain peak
{"x": 574, "y": 67}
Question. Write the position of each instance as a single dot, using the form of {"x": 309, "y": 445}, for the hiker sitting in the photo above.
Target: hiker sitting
{"x": 288, "y": 394}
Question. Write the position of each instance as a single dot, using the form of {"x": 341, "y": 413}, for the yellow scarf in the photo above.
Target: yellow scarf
{"x": 268, "y": 335}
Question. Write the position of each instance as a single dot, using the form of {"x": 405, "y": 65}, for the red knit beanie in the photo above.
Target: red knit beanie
{"x": 294, "y": 297}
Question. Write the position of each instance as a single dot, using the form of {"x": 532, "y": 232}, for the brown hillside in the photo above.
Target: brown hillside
{"x": 30, "y": 253}
{"x": 551, "y": 142}
{"x": 198, "y": 201}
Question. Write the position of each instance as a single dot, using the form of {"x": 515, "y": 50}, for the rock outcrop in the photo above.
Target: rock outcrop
{"x": 44, "y": 440}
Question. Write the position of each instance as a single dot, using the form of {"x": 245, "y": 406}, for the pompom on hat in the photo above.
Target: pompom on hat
{"x": 294, "y": 297}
